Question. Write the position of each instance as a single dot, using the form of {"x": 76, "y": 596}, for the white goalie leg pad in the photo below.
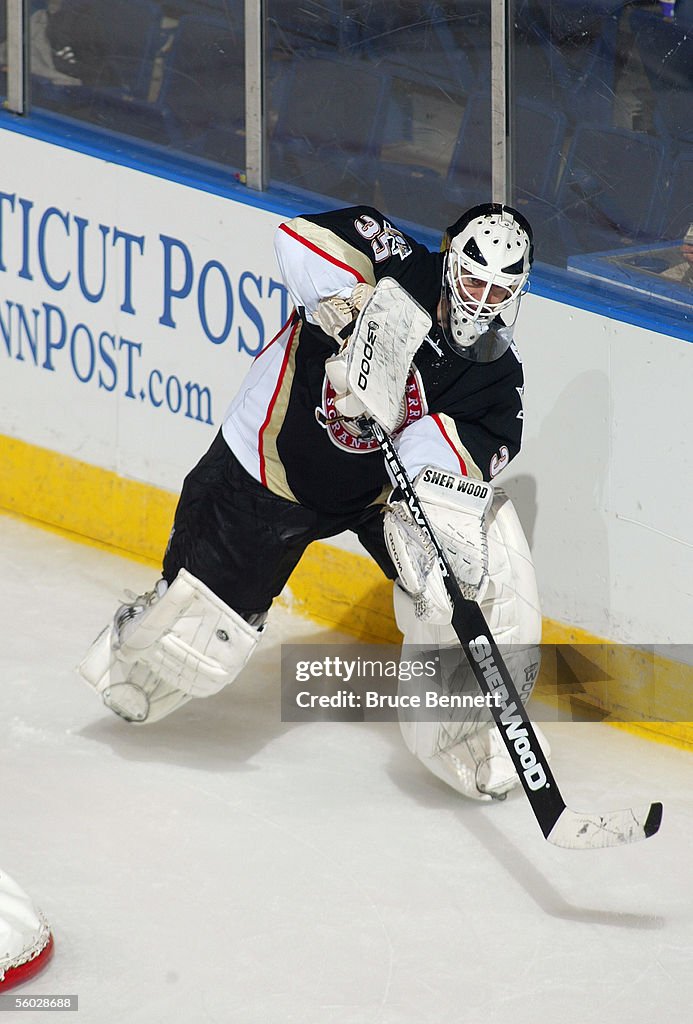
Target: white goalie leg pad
{"x": 186, "y": 643}
{"x": 131, "y": 691}
{"x": 470, "y": 755}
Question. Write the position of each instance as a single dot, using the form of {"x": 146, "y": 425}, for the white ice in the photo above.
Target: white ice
{"x": 222, "y": 866}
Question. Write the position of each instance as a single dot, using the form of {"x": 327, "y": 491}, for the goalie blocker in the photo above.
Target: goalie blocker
{"x": 485, "y": 545}
{"x": 369, "y": 373}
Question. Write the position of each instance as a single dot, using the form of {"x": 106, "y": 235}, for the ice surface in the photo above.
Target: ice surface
{"x": 221, "y": 866}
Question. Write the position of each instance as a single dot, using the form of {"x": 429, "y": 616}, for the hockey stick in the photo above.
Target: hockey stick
{"x": 559, "y": 824}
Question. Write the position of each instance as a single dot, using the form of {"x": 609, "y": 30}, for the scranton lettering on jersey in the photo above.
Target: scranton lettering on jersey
{"x": 283, "y": 424}
{"x": 348, "y": 435}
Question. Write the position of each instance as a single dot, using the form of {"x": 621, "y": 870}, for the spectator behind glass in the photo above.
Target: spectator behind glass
{"x": 81, "y": 40}
{"x": 46, "y": 61}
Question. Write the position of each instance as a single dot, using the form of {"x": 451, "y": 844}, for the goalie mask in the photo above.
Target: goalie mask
{"x": 488, "y": 257}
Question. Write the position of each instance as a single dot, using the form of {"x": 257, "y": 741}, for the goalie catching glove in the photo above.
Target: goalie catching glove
{"x": 456, "y": 507}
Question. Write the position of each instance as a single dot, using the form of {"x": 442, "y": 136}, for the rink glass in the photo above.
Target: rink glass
{"x": 357, "y": 101}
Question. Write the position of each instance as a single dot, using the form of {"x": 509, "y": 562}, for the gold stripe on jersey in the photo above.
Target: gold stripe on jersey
{"x": 333, "y": 247}
{"x": 451, "y": 430}
{"x": 384, "y": 495}
{"x": 275, "y": 473}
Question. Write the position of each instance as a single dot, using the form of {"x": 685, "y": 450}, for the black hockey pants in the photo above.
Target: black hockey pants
{"x": 243, "y": 541}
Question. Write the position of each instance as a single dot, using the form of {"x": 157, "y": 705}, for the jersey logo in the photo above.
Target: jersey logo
{"x": 385, "y": 240}
{"x": 499, "y": 461}
{"x": 346, "y": 435}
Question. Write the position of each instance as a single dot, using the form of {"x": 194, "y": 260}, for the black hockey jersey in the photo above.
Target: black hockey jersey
{"x": 460, "y": 416}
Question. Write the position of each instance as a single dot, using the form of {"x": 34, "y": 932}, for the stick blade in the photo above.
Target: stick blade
{"x": 574, "y": 831}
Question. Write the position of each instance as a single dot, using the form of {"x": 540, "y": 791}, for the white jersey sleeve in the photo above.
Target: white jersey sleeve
{"x": 433, "y": 440}
{"x": 316, "y": 264}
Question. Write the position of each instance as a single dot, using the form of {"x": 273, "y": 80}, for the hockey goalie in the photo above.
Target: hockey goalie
{"x": 296, "y": 461}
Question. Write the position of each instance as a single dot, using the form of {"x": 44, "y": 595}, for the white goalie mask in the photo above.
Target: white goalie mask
{"x": 488, "y": 258}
